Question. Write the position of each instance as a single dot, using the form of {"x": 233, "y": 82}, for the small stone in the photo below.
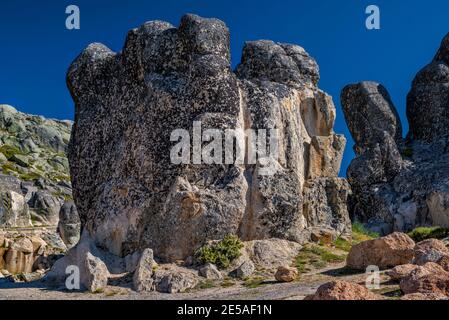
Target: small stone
{"x": 245, "y": 270}
{"x": 210, "y": 271}
{"x": 286, "y": 274}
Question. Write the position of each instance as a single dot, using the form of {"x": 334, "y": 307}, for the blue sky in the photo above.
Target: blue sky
{"x": 36, "y": 48}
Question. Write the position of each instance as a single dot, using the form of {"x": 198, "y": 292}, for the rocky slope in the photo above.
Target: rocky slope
{"x": 129, "y": 193}
{"x": 34, "y": 173}
{"x": 401, "y": 183}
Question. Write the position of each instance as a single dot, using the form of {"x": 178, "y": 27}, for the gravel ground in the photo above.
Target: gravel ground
{"x": 269, "y": 290}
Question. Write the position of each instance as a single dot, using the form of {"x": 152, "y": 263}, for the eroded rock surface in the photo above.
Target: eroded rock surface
{"x": 398, "y": 183}
{"x": 129, "y": 193}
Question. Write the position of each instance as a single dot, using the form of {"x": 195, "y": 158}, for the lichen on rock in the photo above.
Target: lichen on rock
{"x": 128, "y": 192}
{"x": 398, "y": 183}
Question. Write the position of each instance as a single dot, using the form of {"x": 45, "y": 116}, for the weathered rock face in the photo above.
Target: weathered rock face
{"x": 129, "y": 192}
{"x": 399, "y": 184}
{"x": 34, "y": 177}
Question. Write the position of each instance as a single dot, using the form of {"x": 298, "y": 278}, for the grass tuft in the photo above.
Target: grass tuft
{"x": 423, "y": 233}
{"x": 316, "y": 257}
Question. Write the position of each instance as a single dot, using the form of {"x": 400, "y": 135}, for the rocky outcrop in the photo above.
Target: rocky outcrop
{"x": 398, "y": 183}
{"x": 342, "y": 290}
{"x": 390, "y": 251}
{"x": 34, "y": 177}
{"x": 19, "y": 253}
{"x": 134, "y": 107}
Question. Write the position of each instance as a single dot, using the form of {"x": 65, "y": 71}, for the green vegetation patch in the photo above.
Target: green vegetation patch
{"x": 316, "y": 257}
{"x": 207, "y": 284}
{"x": 30, "y": 176}
{"x": 423, "y": 233}
{"x": 221, "y": 253}
{"x": 360, "y": 233}
{"x": 10, "y": 151}
{"x": 227, "y": 283}
{"x": 343, "y": 244}
{"x": 254, "y": 282}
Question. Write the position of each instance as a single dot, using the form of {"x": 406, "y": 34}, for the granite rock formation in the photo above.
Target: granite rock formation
{"x": 129, "y": 193}
{"x": 398, "y": 183}
{"x": 34, "y": 170}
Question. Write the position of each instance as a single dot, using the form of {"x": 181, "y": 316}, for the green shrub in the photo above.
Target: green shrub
{"x": 423, "y": 233}
{"x": 221, "y": 253}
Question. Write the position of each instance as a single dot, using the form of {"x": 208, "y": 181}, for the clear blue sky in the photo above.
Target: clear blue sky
{"x": 36, "y": 48}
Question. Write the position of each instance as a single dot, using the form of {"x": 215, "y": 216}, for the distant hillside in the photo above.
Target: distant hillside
{"x": 34, "y": 171}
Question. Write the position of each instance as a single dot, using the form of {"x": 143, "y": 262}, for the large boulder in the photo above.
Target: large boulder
{"x": 136, "y": 187}
{"x": 142, "y": 278}
{"x": 342, "y": 290}
{"x": 430, "y": 250}
{"x": 399, "y": 184}
{"x": 390, "y": 251}
{"x": 267, "y": 254}
{"x": 401, "y": 271}
{"x": 174, "y": 279}
{"x": 91, "y": 263}
{"x": 429, "y": 278}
